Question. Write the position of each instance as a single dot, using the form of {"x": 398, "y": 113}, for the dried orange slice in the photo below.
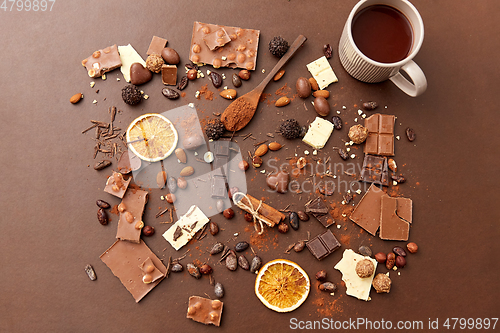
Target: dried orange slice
{"x": 152, "y": 137}
{"x": 282, "y": 285}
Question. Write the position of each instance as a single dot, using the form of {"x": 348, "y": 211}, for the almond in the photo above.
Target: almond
{"x": 321, "y": 93}
{"x": 274, "y": 146}
{"x": 76, "y": 98}
{"x": 187, "y": 171}
{"x": 314, "y": 84}
{"x": 392, "y": 165}
{"x": 279, "y": 75}
{"x": 181, "y": 155}
{"x": 262, "y": 150}
{"x": 282, "y": 101}
{"x": 228, "y": 93}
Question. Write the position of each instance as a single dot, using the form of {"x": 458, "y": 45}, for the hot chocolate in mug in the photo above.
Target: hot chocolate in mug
{"x": 380, "y": 39}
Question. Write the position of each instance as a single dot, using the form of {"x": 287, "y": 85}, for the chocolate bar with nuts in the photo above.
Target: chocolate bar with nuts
{"x": 102, "y": 61}
{"x": 240, "y": 51}
{"x": 204, "y": 310}
{"x": 131, "y": 209}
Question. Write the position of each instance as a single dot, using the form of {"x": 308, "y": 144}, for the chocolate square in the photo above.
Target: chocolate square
{"x": 317, "y": 248}
{"x": 122, "y": 258}
{"x": 375, "y": 170}
{"x": 380, "y": 139}
{"x": 218, "y": 187}
{"x": 319, "y": 210}
{"x": 157, "y": 45}
{"x": 169, "y": 75}
{"x": 323, "y": 245}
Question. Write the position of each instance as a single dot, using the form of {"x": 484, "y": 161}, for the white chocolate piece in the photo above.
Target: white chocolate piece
{"x": 356, "y": 286}
{"x": 322, "y": 72}
{"x": 185, "y": 222}
{"x": 128, "y": 56}
{"x": 318, "y": 133}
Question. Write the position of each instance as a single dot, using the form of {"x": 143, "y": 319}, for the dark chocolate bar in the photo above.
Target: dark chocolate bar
{"x": 319, "y": 210}
{"x": 375, "y": 170}
{"x": 323, "y": 244}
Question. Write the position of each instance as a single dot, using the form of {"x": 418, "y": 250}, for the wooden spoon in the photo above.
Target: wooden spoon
{"x": 239, "y": 113}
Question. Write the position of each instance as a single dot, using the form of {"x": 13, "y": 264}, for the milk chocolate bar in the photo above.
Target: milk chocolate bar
{"x": 239, "y": 52}
{"x": 375, "y": 170}
{"x": 204, "y": 310}
{"x": 367, "y": 213}
{"x": 102, "y": 61}
{"x": 323, "y": 244}
{"x": 380, "y": 139}
{"x": 395, "y": 218}
{"x": 123, "y": 258}
{"x": 130, "y": 223}
{"x": 157, "y": 44}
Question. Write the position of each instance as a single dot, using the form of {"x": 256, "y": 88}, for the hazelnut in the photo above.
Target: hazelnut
{"x": 149, "y": 268}
{"x": 139, "y": 225}
{"x": 358, "y": 133}
{"x": 328, "y": 287}
{"x": 128, "y": 217}
{"x": 301, "y": 163}
{"x": 283, "y": 228}
{"x": 382, "y": 283}
{"x": 192, "y": 74}
{"x": 122, "y": 207}
{"x": 412, "y": 247}
{"x": 148, "y": 230}
{"x": 191, "y": 310}
{"x": 96, "y": 54}
{"x": 147, "y": 278}
{"x": 170, "y": 198}
{"x": 216, "y": 304}
{"x": 321, "y": 275}
{"x": 91, "y": 73}
{"x": 244, "y": 74}
{"x": 214, "y": 316}
{"x": 365, "y": 268}
{"x": 228, "y": 213}
{"x": 84, "y": 61}
{"x": 196, "y": 48}
{"x": 243, "y": 165}
{"x": 256, "y": 161}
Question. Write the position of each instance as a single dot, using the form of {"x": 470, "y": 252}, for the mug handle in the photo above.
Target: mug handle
{"x": 415, "y": 73}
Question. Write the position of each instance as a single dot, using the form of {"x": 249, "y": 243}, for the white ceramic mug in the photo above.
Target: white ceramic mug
{"x": 365, "y": 69}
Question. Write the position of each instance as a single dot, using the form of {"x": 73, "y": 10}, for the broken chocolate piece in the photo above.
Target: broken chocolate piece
{"x": 392, "y": 224}
{"x": 102, "y": 61}
{"x": 122, "y": 258}
{"x": 319, "y": 210}
{"x": 151, "y": 273}
{"x": 116, "y": 185}
{"x": 240, "y": 52}
{"x": 129, "y": 225}
{"x": 204, "y": 310}
{"x": 157, "y": 45}
{"x": 367, "y": 213}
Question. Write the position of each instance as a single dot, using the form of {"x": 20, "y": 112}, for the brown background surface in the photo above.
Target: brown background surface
{"x": 49, "y": 230}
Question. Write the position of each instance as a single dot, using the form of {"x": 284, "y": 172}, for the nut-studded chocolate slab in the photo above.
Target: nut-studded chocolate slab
{"x": 129, "y": 224}
{"x": 204, "y": 310}
{"x": 239, "y": 52}
{"x": 102, "y": 61}
{"x": 124, "y": 258}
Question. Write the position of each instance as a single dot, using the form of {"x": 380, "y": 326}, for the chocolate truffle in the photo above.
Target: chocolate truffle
{"x": 290, "y": 129}
{"x": 278, "y": 46}
{"x": 131, "y": 94}
{"x": 214, "y": 129}
{"x": 154, "y": 63}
